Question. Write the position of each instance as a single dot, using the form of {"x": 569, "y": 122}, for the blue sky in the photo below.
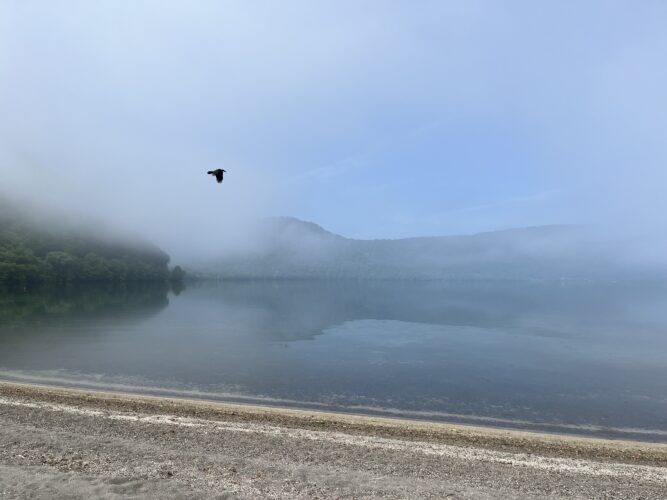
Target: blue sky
{"x": 372, "y": 118}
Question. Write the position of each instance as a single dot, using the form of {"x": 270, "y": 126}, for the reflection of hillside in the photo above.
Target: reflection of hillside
{"x": 293, "y": 310}
{"x": 66, "y": 305}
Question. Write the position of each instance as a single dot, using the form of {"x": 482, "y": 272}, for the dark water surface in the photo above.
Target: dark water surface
{"x": 572, "y": 358}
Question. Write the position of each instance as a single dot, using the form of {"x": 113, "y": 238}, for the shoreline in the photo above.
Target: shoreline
{"x": 58, "y": 442}
{"x": 638, "y": 434}
{"x": 492, "y": 437}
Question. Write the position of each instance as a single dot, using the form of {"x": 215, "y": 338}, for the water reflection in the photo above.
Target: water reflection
{"x": 49, "y": 305}
{"x": 575, "y": 355}
{"x": 293, "y": 310}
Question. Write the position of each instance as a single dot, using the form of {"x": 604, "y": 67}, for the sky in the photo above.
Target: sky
{"x": 375, "y": 119}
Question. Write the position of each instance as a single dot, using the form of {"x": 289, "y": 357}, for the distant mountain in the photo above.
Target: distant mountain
{"x": 39, "y": 248}
{"x": 288, "y": 248}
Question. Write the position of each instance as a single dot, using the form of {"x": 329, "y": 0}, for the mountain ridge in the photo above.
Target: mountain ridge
{"x": 287, "y": 219}
{"x": 288, "y": 247}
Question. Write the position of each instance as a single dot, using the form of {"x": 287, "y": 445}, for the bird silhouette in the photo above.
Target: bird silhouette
{"x": 218, "y": 174}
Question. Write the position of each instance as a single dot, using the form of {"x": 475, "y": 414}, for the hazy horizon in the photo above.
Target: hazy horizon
{"x": 373, "y": 120}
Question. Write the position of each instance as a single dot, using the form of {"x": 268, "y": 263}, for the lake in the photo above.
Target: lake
{"x": 564, "y": 357}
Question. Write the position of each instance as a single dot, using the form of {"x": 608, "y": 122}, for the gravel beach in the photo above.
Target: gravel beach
{"x": 81, "y": 444}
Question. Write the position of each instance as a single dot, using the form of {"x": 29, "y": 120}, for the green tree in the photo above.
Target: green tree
{"x": 177, "y": 275}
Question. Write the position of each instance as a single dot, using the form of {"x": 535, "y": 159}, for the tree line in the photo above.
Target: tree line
{"x": 31, "y": 256}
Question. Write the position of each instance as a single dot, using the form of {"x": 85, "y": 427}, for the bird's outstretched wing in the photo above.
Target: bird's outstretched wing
{"x": 218, "y": 174}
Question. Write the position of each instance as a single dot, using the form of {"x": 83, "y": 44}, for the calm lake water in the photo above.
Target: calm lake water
{"x": 570, "y": 358}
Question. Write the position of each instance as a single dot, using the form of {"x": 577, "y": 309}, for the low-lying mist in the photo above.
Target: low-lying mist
{"x": 374, "y": 121}
{"x": 251, "y": 246}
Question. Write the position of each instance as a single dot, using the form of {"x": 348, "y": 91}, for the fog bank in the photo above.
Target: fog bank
{"x": 375, "y": 120}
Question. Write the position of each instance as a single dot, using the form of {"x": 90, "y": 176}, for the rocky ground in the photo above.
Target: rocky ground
{"x": 57, "y": 443}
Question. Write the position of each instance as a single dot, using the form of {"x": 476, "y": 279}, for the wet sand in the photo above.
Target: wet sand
{"x": 75, "y": 443}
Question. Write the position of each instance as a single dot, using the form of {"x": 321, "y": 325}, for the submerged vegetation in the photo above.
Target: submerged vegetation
{"x": 31, "y": 254}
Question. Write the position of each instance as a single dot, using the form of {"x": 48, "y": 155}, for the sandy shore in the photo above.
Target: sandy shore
{"x": 62, "y": 442}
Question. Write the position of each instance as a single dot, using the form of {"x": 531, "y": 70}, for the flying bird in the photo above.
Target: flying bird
{"x": 218, "y": 174}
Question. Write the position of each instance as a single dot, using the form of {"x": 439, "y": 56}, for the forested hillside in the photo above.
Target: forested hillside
{"x": 287, "y": 248}
{"x": 33, "y": 253}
